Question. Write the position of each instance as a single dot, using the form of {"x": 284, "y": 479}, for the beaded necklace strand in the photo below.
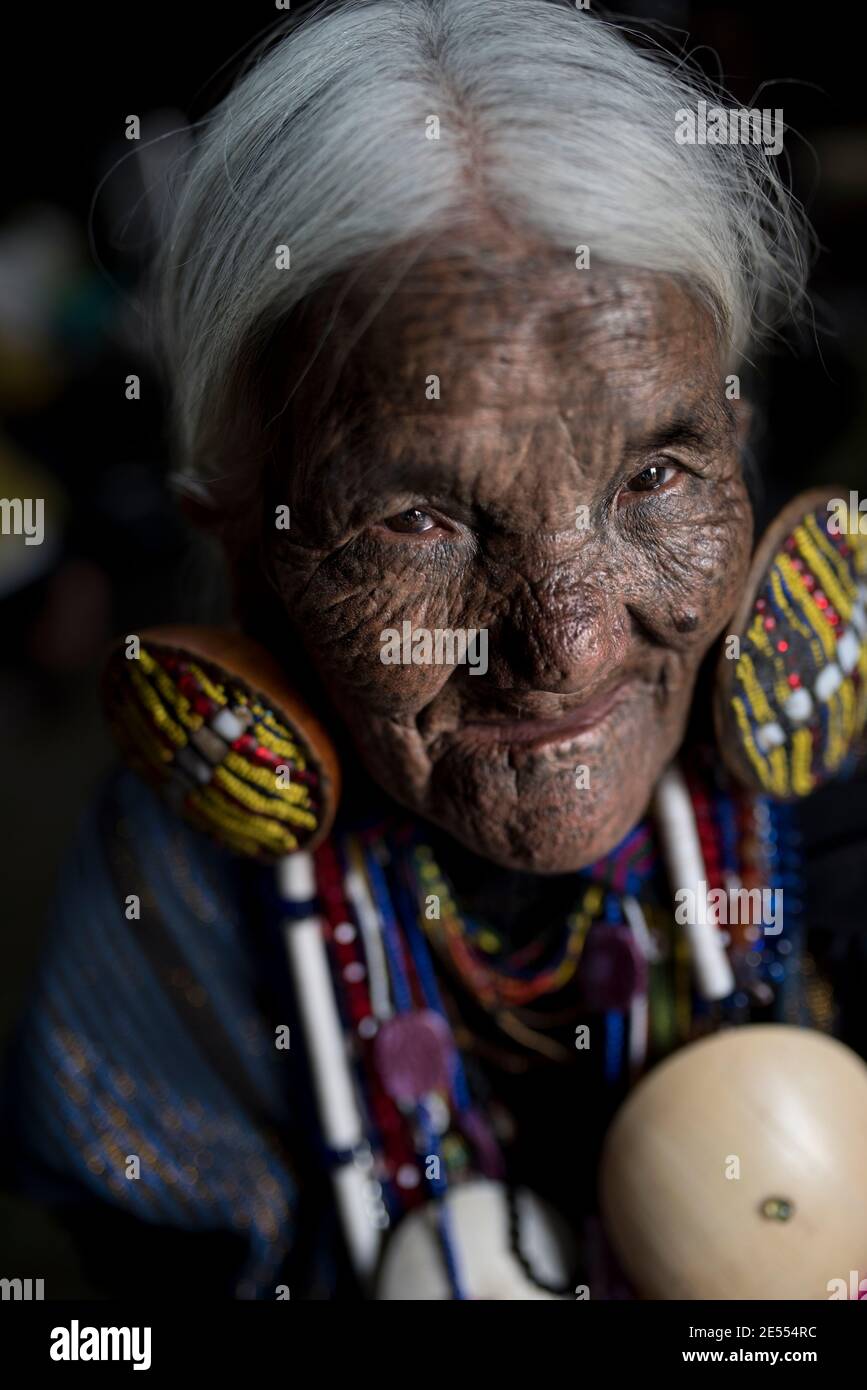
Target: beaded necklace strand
{"x": 387, "y": 905}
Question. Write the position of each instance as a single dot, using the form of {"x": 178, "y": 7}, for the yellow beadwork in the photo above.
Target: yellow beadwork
{"x": 802, "y": 749}
{"x": 262, "y": 832}
{"x": 841, "y": 599}
{"x": 214, "y": 692}
{"x": 760, "y": 765}
{"x": 272, "y": 807}
{"x": 141, "y": 733}
{"x": 295, "y": 793}
{"x": 818, "y": 620}
{"x": 156, "y": 709}
{"x": 856, "y": 544}
{"x": 794, "y": 618}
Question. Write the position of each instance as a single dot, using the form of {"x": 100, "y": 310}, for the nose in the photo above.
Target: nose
{"x": 566, "y": 633}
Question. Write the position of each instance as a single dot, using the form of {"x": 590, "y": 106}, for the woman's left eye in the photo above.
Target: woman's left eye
{"x": 411, "y": 522}
{"x": 652, "y": 478}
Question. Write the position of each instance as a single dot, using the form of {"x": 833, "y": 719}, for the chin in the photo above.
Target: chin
{"x": 520, "y": 808}
{"x": 549, "y": 835}
{"x": 550, "y": 848}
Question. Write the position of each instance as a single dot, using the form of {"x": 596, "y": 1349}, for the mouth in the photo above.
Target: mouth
{"x": 539, "y": 732}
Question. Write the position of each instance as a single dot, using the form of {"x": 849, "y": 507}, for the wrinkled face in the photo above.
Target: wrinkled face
{"x": 571, "y": 488}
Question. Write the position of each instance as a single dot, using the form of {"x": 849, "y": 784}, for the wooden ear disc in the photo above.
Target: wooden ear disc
{"x": 791, "y": 687}
{"x": 206, "y": 716}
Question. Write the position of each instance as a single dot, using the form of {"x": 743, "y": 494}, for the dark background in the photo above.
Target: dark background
{"x": 71, "y": 332}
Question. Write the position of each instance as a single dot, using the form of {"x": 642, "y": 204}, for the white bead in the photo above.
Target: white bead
{"x": 848, "y": 651}
{"x": 227, "y": 725}
{"x": 344, "y": 933}
{"x": 799, "y": 706}
{"x": 770, "y": 736}
{"x": 829, "y": 679}
{"x": 438, "y": 1113}
{"x": 407, "y": 1176}
{"x": 195, "y": 766}
{"x": 296, "y": 879}
{"x": 859, "y": 619}
{"x": 209, "y": 745}
{"x": 354, "y": 973}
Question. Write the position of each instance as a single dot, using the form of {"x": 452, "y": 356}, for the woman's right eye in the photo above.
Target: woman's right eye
{"x": 412, "y": 522}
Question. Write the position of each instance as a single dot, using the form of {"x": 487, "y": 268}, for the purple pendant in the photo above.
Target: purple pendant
{"x": 613, "y": 969}
{"x": 413, "y": 1054}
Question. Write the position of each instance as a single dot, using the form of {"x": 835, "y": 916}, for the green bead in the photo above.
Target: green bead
{"x": 777, "y": 1209}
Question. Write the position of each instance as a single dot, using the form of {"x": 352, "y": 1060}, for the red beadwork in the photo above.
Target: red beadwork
{"x": 263, "y": 757}
{"x": 782, "y": 645}
{"x": 794, "y": 680}
{"x": 770, "y": 623}
{"x": 396, "y": 1147}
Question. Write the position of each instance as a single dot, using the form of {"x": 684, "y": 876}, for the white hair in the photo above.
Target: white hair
{"x": 548, "y": 116}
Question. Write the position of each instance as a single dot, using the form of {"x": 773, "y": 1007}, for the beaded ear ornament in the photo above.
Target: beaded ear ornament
{"x": 236, "y": 754}
{"x": 791, "y": 691}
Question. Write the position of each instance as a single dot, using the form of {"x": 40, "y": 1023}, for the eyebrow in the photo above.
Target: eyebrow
{"x": 690, "y": 428}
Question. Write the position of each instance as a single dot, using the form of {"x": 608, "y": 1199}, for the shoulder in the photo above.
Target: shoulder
{"x": 149, "y": 1035}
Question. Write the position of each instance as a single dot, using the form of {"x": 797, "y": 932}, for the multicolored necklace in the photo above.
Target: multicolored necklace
{"x": 618, "y": 957}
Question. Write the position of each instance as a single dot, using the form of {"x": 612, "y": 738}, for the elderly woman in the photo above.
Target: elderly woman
{"x": 457, "y": 318}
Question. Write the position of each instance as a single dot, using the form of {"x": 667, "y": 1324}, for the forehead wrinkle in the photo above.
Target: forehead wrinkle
{"x": 477, "y": 336}
{"x": 594, "y": 403}
{"x": 534, "y": 344}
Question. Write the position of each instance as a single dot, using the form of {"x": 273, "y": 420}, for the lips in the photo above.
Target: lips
{"x": 540, "y": 730}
